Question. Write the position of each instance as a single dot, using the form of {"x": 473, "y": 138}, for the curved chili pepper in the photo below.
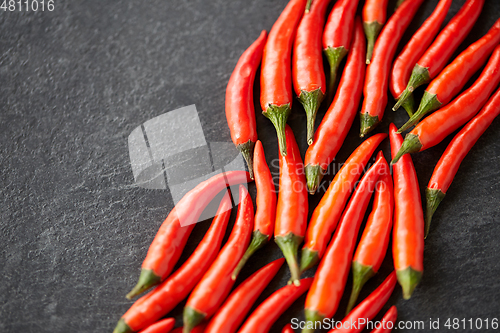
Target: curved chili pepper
{"x": 329, "y": 282}
{"x": 438, "y": 54}
{"x": 389, "y": 317}
{"x": 338, "y": 119}
{"x": 273, "y": 307}
{"x": 408, "y": 232}
{"x": 377, "y": 73}
{"x": 216, "y": 284}
{"x": 151, "y": 307}
{"x": 292, "y": 209}
{"x": 240, "y": 112}
{"x": 276, "y": 74}
{"x": 174, "y": 232}
{"x": 454, "y": 77}
{"x": 374, "y": 16}
{"x": 163, "y": 326}
{"x": 287, "y": 329}
{"x": 448, "y": 164}
{"x": 375, "y": 240}
{"x": 433, "y": 129}
{"x": 232, "y": 313}
{"x": 369, "y": 307}
{"x": 337, "y": 37}
{"x": 415, "y": 48}
{"x": 307, "y": 63}
{"x": 265, "y": 215}
{"x": 327, "y": 213}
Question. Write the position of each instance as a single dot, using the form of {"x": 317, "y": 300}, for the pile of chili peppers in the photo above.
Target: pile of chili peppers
{"x": 291, "y": 56}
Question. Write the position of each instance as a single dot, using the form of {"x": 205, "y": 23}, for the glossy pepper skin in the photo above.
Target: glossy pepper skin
{"x": 450, "y": 161}
{"x": 327, "y": 213}
{"x": 377, "y": 73}
{"x": 240, "y": 112}
{"x": 408, "y": 232}
{"x": 265, "y": 215}
{"x": 232, "y": 313}
{"x": 216, "y": 284}
{"x": 412, "y": 52}
{"x": 337, "y": 37}
{"x": 374, "y": 17}
{"x": 438, "y": 54}
{"x": 338, "y": 119}
{"x": 287, "y": 329}
{"x": 273, "y": 307}
{"x": 292, "y": 209}
{"x": 162, "y": 326}
{"x": 433, "y": 129}
{"x": 370, "y": 306}
{"x": 174, "y": 232}
{"x": 307, "y": 63}
{"x": 151, "y": 307}
{"x": 373, "y": 244}
{"x": 329, "y": 282}
{"x": 276, "y": 70}
{"x": 454, "y": 77}
{"x": 389, "y": 321}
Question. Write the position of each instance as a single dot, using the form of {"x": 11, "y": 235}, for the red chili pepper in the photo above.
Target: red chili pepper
{"x": 216, "y": 284}
{"x": 292, "y": 209}
{"x": 163, "y": 326}
{"x": 374, "y": 17}
{"x": 415, "y": 48}
{"x": 151, "y": 307}
{"x": 337, "y": 37}
{"x": 377, "y": 73}
{"x": 327, "y": 213}
{"x": 338, "y": 119}
{"x": 388, "y": 321}
{"x": 433, "y": 129}
{"x": 287, "y": 329}
{"x": 448, "y": 164}
{"x": 375, "y": 240}
{"x": 438, "y": 54}
{"x": 240, "y": 112}
{"x": 265, "y": 215}
{"x": 276, "y": 70}
{"x": 307, "y": 64}
{"x": 329, "y": 282}
{"x": 174, "y": 232}
{"x": 229, "y": 317}
{"x": 408, "y": 233}
{"x": 273, "y": 307}
{"x": 454, "y": 77}
{"x": 198, "y": 329}
{"x": 370, "y": 306}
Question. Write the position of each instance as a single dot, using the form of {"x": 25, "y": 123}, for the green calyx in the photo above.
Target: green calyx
{"x": 334, "y": 55}
{"x": 360, "y": 275}
{"x": 308, "y": 259}
{"x": 308, "y": 6}
{"x": 258, "y": 241}
{"x": 433, "y": 198}
{"x": 428, "y": 104}
{"x": 278, "y": 115}
{"x": 191, "y": 318}
{"x": 372, "y": 31}
{"x": 246, "y": 149}
{"x": 314, "y": 174}
{"x": 147, "y": 280}
{"x": 409, "y": 105}
{"x": 408, "y": 278}
{"x": 122, "y": 327}
{"x": 411, "y": 144}
{"x": 311, "y": 100}
{"x": 419, "y": 76}
{"x": 399, "y": 3}
{"x": 368, "y": 123}
{"x": 289, "y": 245}
{"x": 313, "y": 319}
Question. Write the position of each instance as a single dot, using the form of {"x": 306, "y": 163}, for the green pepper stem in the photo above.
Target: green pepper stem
{"x": 367, "y": 123}
{"x": 372, "y": 30}
{"x": 311, "y": 100}
{"x": 408, "y": 278}
{"x": 428, "y": 104}
{"x": 360, "y": 275}
{"x": 258, "y": 241}
{"x": 289, "y": 245}
{"x": 314, "y": 174}
{"x": 308, "y": 259}
{"x": 411, "y": 144}
{"x": 246, "y": 149}
{"x": 334, "y": 55}
{"x": 278, "y": 115}
{"x": 419, "y": 76}
{"x": 191, "y": 318}
{"x": 147, "y": 280}
{"x": 433, "y": 199}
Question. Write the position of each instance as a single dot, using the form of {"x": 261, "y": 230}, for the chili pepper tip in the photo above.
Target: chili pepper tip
{"x": 122, "y": 327}
{"x": 258, "y": 241}
{"x": 368, "y": 123}
{"x": 408, "y": 278}
{"x": 308, "y": 259}
{"x": 372, "y": 30}
{"x": 334, "y": 55}
{"x": 360, "y": 275}
{"x": 278, "y": 115}
{"x": 311, "y": 100}
{"x": 314, "y": 174}
{"x": 289, "y": 245}
{"x": 191, "y": 318}
{"x": 147, "y": 280}
{"x": 433, "y": 199}
{"x": 246, "y": 149}
{"x": 411, "y": 144}
{"x": 311, "y": 317}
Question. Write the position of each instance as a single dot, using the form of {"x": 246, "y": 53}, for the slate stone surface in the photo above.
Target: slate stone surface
{"x": 75, "y": 82}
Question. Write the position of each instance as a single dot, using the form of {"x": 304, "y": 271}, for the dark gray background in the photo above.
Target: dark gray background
{"x": 76, "y": 81}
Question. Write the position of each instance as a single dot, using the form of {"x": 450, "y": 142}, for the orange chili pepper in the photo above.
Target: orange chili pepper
{"x": 374, "y": 16}
{"x": 162, "y": 326}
